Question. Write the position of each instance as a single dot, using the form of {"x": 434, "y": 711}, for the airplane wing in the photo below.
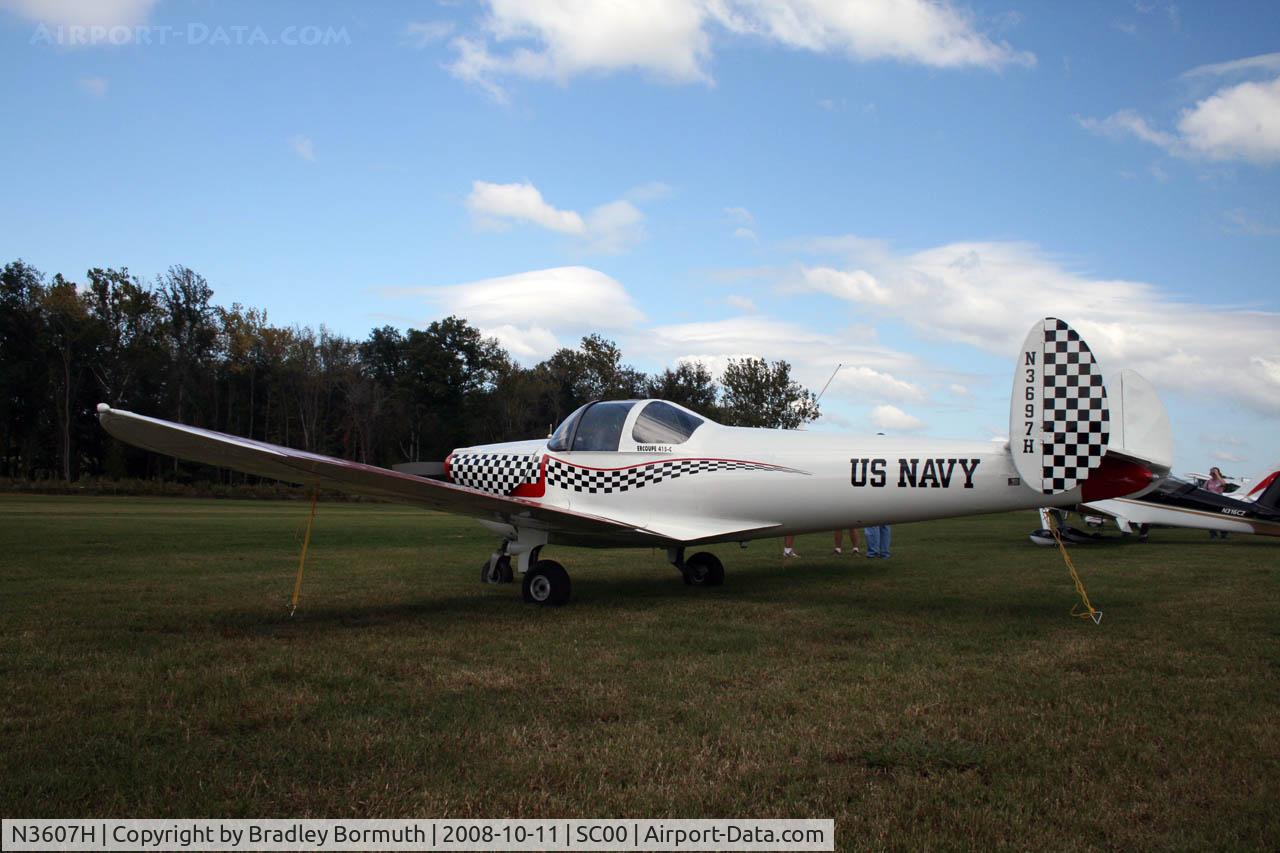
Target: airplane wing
{"x": 313, "y": 469}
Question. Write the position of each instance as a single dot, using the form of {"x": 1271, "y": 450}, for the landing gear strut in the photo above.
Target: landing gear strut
{"x": 543, "y": 581}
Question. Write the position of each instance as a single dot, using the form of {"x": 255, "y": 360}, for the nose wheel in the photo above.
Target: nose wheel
{"x": 547, "y": 583}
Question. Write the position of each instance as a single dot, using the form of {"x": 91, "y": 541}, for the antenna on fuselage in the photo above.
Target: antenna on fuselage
{"x": 824, "y": 387}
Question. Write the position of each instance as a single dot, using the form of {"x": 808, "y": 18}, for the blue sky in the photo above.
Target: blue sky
{"x": 902, "y": 188}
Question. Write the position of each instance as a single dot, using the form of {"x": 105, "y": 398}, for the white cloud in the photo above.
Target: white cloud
{"x": 83, "y": 13}
{"x": 744, "y": 221}
{"x": 742, "y": 303}
{"x": 1237, "y": 122}
{"x": 958, "y": 390}
{"x": 1241, "y": 221}
{"x": 856, "y": 285}
{"x": 757, "y": 336}
{"x": 1265, "y": 62}
{"x": 1240, "y": 122}
{"x": 1224, "y": 456}
{"x": 614, "y": 227}
{"x": 672, "y": 39}
{"x": 96, "y": 86}
{"x": 540, "y": 297}
{"x": 1129, "y": 123}
{"x": 905, "y": 30}
{"x": 530, "y": 312}
{"x": 423, "y": 33}
{"x": 988, "y": 294}
{"x": 304, "y": 148}
{"x": 652, "y": 191}
{"x": 559, "y": 39}
{"x": 493, "y": 205}
{"x": 859, "y": 381}
{"x": 893, "y": 419}
{"x": 611, "y": 228}
{"x": 869, "y": 374}
{"x": 474, "y": 64}
{"x": 1221, "y": 438}
{"x": 527, "y": 344}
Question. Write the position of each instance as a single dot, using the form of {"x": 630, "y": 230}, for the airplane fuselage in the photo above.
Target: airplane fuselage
{"x": 734, "y": 484}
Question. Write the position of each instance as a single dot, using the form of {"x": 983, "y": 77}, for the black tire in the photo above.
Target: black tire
{"x": 500, "y": 572}
{"x": 704, "y": 569}
{"x": 547, "y": 583}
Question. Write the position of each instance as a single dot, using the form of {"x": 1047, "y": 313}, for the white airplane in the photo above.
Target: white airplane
{"x": 649, "y": 473}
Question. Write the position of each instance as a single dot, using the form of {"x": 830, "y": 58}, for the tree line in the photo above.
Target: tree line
{"x": 164, "y": 349}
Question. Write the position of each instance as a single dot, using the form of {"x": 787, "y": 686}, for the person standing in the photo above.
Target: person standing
{"x": 878, "y": 537}
{"x": 853, "y": 541}
{"x": 789, "y": 547}
{"x": 1218, "y": 485}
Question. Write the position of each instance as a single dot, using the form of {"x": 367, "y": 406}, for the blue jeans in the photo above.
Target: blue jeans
{"x": 878, "y": 540}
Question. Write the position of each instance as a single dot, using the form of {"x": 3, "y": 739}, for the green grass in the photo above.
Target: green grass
{"x": 944, "y": 697}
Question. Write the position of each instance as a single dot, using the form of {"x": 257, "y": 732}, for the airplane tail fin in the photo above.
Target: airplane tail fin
{"x": 1260, "y": 486}
{"x": 1268, "y": 492}
{"x": 1059, "y": 418}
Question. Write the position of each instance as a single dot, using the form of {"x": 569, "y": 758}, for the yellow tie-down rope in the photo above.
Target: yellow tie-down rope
{"x": 302, "y": 558}
{"x": 1090, "y": 612}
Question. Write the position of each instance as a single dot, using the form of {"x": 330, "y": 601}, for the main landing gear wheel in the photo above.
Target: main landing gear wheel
{"x": 547, "y": 583}
{"x": 703, "y": 569}
{"x": 498, "y": 571}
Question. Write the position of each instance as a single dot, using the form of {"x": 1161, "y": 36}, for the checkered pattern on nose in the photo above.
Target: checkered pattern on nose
{"x": 607, "y": 481}
{"x": 498, "y": 473}
{"x": 1076, "y": 421}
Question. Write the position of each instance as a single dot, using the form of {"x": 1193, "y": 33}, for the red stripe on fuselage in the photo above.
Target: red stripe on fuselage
{"x": 675, "y": 459}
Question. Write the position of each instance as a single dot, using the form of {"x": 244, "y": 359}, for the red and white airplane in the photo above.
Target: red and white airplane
{"x": 649, "y": 473}
{"x": 1172, "y": 502}
{"x": 1179, "y": 503}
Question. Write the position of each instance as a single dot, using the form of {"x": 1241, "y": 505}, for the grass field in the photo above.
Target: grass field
{"x": 943, "y": 698}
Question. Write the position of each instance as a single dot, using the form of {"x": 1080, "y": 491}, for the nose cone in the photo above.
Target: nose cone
{"x": 1115, "y": 478}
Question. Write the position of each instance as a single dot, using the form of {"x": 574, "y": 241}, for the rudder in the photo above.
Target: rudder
{"x": 1059, "y": 420}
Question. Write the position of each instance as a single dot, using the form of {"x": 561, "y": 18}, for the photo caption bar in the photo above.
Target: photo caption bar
{"x": 272, "y": 835}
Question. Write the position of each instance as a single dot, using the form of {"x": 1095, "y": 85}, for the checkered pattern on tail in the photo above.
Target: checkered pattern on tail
{"x": 498, "y": 473}
{"x": 1076, "y": 420}
{"x": 605, "y": 482}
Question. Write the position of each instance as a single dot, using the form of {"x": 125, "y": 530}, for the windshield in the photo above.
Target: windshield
{"x": 595, "y": 426}
{"x": 564, "y": 433}
{"x": 600, "y": 427}
{"x": 663, "y": 423}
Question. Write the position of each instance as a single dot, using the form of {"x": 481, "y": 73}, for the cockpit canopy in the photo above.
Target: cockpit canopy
{"x": 599, "y": 425}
